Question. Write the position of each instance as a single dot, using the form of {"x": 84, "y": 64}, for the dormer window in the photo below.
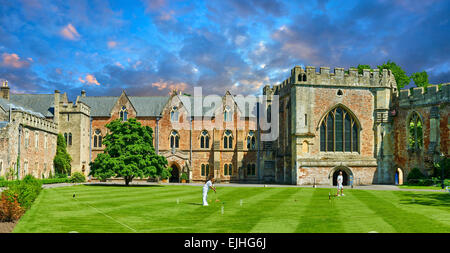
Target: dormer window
{"x": 123, "y": 113}
{"x": 227, "y": 114}
{"x": 174, "y": 114}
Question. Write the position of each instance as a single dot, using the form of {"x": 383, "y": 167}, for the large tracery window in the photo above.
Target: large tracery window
{"x": 415, "y": 131}
{"x": 339, "y": 132}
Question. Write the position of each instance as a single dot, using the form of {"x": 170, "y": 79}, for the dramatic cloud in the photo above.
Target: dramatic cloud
{"x": 151, "y": 46}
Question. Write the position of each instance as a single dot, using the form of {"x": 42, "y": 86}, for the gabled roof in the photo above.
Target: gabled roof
{"x": 149, "y": 106}
{"x": 145, "y": 106}
{"x": 100, "y": 106}
{"x": 41, "y": 103}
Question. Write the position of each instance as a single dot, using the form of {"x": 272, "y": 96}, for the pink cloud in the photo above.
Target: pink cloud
{"x": 161, "y": 85}
{"x": 112, "y": 44}
{"x": 13, "y": 60}
{"x": 90, "y": 79}
{"x": 69, "y": 32}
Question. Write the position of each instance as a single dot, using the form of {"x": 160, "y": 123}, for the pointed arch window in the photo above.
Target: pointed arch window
{"x": 174, "y": 139}
{"x": 227, "y": 114}
{"x": 339, "y": 132}
{"x": 251, "y": 140}
{"x": 98, "y": 138}
{"x": 123, "y": 113}
{"x": 227, "y": 140}
{"x": 174, "y": 115}
{"x": 415, "y": 131}
{"x": 204, "y": 139}
{"x": 269, "y": 113}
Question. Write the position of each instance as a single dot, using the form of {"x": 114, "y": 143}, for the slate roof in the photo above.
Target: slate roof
{"x": 100, "y": 106}
{"x": 6, "y": 104}
{"x": 149, "y": 106}
{"x": 41, "y": 103}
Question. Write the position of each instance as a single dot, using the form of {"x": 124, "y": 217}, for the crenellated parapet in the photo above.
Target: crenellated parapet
{"x": 77, "y": 107}
{"x": 371, "y": 78}
{"x": 418, "y": 96}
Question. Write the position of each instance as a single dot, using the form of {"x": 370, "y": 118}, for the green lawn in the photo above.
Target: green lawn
{"x": 155, "y": 209}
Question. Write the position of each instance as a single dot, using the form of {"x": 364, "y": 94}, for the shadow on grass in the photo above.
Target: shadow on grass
{"x": 437, "y": 199}
{"x": 123, "y": 185}
{"x": 194, "y": 204}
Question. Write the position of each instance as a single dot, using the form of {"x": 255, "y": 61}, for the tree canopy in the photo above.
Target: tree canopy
{"x": 129, "y": 153}
{"x": 399, "y": 74}
{"x": 420, "y": 79}
{"x": 62, "y": 159}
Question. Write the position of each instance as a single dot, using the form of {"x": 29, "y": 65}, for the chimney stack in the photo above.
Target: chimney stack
{"x": 56, "y": 107}
{"x": 83, "y": 93}
{"x": 5, "y": 90}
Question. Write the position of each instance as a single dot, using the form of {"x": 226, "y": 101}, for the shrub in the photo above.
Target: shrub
{"x": 26, "y": 190}
{"x": 415, "y": 173}
{"x": 77, "y": 177}
{"x": 10, "y": 209}
{"x": 184, "y": 176}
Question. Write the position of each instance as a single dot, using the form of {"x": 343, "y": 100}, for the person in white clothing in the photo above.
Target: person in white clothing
{"x": 208, "y": 184}
{"x": 340, "y": 180}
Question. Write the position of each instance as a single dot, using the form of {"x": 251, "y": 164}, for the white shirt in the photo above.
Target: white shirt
{"x": 340, "y": 179}
{"x": 207, "y": 186}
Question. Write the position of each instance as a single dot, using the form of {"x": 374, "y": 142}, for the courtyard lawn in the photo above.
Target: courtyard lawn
{"x": 113, "y": 209}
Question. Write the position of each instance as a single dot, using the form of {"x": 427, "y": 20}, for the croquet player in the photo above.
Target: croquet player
{"x": 340, "y": 187}
{"x": 208, "y": 184}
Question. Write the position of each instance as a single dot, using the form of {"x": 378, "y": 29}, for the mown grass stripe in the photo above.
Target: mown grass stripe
{"x": 287, "y": 214}
{"x": 231, "y": 220}
{"x": 402, "y": 220}
{"x": 321, "y": 214}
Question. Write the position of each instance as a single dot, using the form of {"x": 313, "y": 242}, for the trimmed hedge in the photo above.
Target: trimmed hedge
{"x": 9, "y": 183}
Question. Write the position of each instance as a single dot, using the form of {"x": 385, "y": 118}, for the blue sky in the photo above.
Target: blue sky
{"x": 149, "y": 47}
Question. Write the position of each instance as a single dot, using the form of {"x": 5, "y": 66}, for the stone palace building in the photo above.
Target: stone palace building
{"x": 327, "y": 122}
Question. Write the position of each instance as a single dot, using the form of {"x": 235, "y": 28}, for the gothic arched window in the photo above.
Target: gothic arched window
{"x": 123, "y": 113}
{"x": 174, "y": 139}
{"x": 269, "y": 113}
{"x": 339, "y": 132}
{"x": 174, "y": 114}
{"x": 98, "y": 138}
{"x": 227, "y": 139}
{"x": 251, "y": 140}
{"x": 204, "y": 139}
{"x": 415, "y": 131}
{"x": 227, "y": 114}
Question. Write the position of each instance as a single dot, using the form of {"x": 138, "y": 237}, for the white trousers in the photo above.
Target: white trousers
{"x": 205, "y": 197}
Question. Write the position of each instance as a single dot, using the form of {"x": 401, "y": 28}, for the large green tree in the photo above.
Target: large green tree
{"x": 361, "y": 67}
{"x": 399, "y": 74}
{"x": 62, "y": 159}
{"x": 420, "y": 79}
{"x": 129, "y": 153}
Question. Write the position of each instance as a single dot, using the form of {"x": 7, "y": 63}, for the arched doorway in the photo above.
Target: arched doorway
{"x": 175, "y": 174}
{"x": 346, "y": 173}
{"x": 399, "y": 176}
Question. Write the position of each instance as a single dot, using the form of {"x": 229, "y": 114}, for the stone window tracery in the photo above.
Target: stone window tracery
{"x": 339, "y": 132}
